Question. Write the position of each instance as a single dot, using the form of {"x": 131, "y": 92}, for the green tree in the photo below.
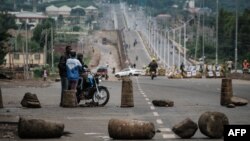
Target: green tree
{"x": 244, "y": 36}
{"x": 41, "y": 30}
{"x": 6, "y": 22}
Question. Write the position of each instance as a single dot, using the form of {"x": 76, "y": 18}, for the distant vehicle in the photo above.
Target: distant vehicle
{"x": 102, "y": 72}
{"x": 129, "y": 72}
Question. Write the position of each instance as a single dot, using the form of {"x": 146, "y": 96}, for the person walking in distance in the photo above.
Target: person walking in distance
{"x": 245, "y": 66}
{"x": 63, "y": 72}
{"x": 45, "y": 74}
{"x": 73, "y": 67}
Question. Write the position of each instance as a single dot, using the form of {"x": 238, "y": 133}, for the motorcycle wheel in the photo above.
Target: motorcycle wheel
{"x": 102, "y": 97}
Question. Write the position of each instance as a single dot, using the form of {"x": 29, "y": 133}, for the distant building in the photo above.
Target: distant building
{"x": 91, "y": 11}
{"x": 18, "y": 59}
{"x": 54, "y": 12}
{"x": 31, "y": 18}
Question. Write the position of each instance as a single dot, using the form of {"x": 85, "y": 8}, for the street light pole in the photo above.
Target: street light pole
{"x": 217, "y": 30}
{"x": 185, "y": 40}
{"x": 236, "y": 37}
{"x": 168, "y": 50}
{"x": 173, "y": 52}
{"x": 52, "y": 50}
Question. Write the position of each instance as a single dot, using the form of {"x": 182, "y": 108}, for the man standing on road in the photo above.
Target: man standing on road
{"x": 73, "y": 67}
{"x": 63, "y": 71}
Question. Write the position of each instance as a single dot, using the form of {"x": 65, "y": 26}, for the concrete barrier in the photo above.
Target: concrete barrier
{"x": 226, "y": 91}
{"x": 130, "y": 129}
{"x": 69, "y": 98}
{"x": 212, "y": 124}
{"x": 37, "y": 128}
{"x": 127, "y": 99}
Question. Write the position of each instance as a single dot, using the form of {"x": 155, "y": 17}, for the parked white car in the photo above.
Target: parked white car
{"x": 129, "y": 72}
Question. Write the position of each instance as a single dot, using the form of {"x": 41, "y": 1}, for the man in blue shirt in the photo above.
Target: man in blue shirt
{"x": 73, "y": 67}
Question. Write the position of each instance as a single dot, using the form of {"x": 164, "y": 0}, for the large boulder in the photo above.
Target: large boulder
{"x": 185, "y": 129}
{"x": 237, "y": 101}
{"x": 212, "y": 124}
{"x": 163, "y": 103}
{"x": 30, "y": 101}
{"x": 130, "y": 129}
{"x": 38, "y": 128}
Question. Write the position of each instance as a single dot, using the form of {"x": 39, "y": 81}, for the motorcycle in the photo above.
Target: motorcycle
{"x": 153, "y": 75}
{"x": 89, "y": 89}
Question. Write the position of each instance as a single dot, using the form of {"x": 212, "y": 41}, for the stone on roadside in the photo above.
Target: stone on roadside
{"x": 212, "y": 124}
{"x": 185, "y": 129}
{"x": 237, "y": 101}
{"x": 30, "y": 101}
{"x": 163, "y": 103}
{"x": 38, "y": 128}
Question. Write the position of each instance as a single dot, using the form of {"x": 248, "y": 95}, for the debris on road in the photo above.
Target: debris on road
{"x": 237, "y": 101}
{"x": 185, "y": 129}
{"x": 130, "y": 129}
{"x": 163, "y": 103}
{"x": 212, "y": 124}
{"x": 30, "y": 101}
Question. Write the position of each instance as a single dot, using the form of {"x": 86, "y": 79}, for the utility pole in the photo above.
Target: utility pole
{"x": 164, "y": 48}
{"x": 197, "y": 36}
{"x": 45, "y": 48}
{"x": 26, "y": 51}
{"x": 168, "y": 50}
{"x": 173, "y": 47}
{"x": 203, "y": 35}
{"x": 179, "y": 53}
{"x": 236, "y": 37}
{"x": 52, "y": 50}
{"x": 185, "y": 40}
{"x": 217, "y": 30}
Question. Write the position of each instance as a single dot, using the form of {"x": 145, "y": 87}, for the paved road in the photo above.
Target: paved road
{"x": 192, "y": 97}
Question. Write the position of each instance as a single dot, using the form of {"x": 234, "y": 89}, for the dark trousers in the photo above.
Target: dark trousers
{"x": 64, "y": 86}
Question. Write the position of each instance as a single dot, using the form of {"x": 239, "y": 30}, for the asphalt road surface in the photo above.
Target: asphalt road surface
{"x": 191, "y": 97}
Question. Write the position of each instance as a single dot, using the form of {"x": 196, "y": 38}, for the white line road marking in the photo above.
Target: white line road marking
{"x": 74, "y": 118}
{"x": 169, "y": 136}
{"x": 152, "y": 107}
{"x": 146, "y": 99}
{"x": 165, "y": 129}
{"x": 104, "y": 137}
{"x": 93, "y": 133}
{"x": 144, "y": 95}
{"x": 155, "y": 114}
{"x": 159, "y": 121}
{"x": 149, "y": 103}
